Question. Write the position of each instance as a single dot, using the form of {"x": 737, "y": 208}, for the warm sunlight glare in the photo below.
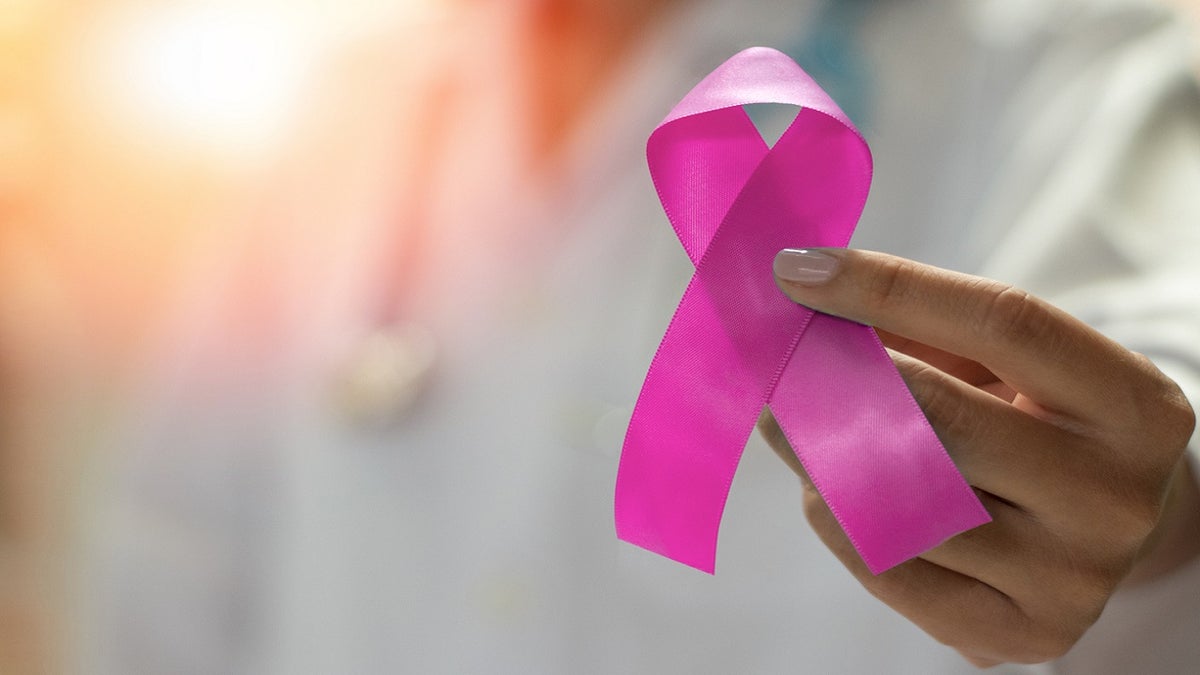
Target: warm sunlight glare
{"x": 222, "y": 77}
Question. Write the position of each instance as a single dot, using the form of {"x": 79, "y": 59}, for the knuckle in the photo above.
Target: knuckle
{"x": 1081, "y": 589}
{"x": 1117, "y": 510}
{"x": 1178, "y": 418}
{"x": 946, "y": 414}
{"x": 1185, "y": 417}
{"x": 1047, "y": 644}
{"x": 1113, "y": 522}
{"x": 888, "y": 280}
{"x": 1100, "y": 583}
{"x": 1051, "y": 638}
{"x": 1155, "y": 415}
{"x": 1140, "y": 516}
{"x": 1037, "y": 640}
{"x": 1026, "y": 631}
{"x": 950, "y": 418}
{"x": 997, "y": 631}
{"x": 1014, "y": 314}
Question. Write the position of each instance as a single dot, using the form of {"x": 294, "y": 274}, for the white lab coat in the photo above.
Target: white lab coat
{"x": 246, "y": 526}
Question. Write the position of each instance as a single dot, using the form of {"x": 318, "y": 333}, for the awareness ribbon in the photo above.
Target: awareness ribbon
{"x": 736, "y": 343}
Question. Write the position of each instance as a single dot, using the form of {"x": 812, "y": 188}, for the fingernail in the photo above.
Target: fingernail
{"x": 805, "y": 266}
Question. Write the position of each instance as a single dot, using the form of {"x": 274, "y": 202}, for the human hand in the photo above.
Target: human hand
{"x": 1074, "y": 444}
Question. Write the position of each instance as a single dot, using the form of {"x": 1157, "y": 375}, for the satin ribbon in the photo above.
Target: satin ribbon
{"x": 736, "y": 343}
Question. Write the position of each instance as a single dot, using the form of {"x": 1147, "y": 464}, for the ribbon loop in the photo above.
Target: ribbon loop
{"x": 736, "y": 343}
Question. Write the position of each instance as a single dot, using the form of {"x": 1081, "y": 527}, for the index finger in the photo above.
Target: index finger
{"x": 1041, "y": 351}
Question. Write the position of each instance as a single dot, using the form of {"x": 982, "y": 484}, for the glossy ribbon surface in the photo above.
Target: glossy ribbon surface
{"x": 736, "y": 343}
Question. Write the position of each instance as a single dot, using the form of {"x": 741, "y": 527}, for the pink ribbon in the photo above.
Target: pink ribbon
{"x": 736, "y": 343}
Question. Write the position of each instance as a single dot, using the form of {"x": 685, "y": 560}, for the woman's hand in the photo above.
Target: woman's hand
{"x": 1074, "y": 444}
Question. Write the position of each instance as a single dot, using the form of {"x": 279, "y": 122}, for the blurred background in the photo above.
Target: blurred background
{"x": 146, "y": 144}
{"x": 137, "y": 140}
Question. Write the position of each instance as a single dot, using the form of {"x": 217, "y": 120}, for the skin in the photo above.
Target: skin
{"x": 1075, "y": 445}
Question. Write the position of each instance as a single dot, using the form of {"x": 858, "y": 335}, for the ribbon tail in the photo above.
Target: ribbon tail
{"x": 868, "y": 447}
{"x": 697, "y": 408}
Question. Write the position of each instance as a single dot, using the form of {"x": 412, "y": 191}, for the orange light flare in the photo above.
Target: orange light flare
{"x": 137, "y": 136}
{"x": 144, "y": 146}
{"x": 215, "y": 80}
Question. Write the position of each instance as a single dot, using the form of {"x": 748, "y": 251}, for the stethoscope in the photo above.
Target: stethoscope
{"x": 380, "y": 380}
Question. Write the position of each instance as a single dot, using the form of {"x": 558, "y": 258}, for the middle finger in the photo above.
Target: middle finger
{"x": 998, "y": 448}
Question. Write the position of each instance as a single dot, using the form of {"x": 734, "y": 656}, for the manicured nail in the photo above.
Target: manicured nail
{"x": 805, "y": 266}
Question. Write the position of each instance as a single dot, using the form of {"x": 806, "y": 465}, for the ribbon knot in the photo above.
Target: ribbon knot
{"x": 736, "y": 343}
